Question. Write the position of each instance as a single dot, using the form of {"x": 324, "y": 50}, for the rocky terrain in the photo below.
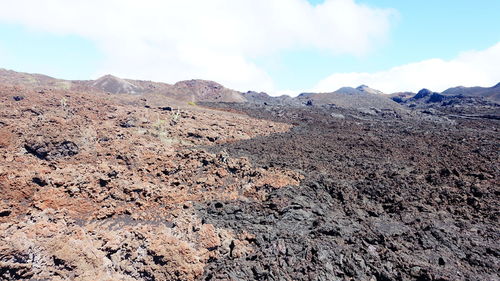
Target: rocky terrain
{"x": 151, "y": 186}
{"x": 461, "y": 106}
{"x": 94, "y": 188}
{"x": 385, "y": 197}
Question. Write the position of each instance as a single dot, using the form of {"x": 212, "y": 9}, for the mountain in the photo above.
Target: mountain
{"x": 348, "y": 97}
{"x": 426, "y": 99}
{"x": 197, "y": 90}
{"x": 427, "y": 96}
{"x": 400, "y": 96}
{"x": 9, "y": 77}
{"x": 203, "y": 90}
{"x": 187, "y": 91}
{"x": 366, "y": 89}
{"x": 492, "y": 93}
{"x": 265, "y": 99}
{"x": 115, "y": 85}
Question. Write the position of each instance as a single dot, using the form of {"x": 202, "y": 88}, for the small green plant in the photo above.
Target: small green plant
{"x": 88, "y": 136}
{"x": 175, "y": 117}
{"x": 64, "y": 106}
{"x": 160, "y": 128}
{"x": 64, "y": 103}
{"x": 192, "y": 103}
{"x": 160, "y": 131}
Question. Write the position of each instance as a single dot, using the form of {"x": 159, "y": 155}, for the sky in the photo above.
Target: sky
{"x": 276, "y": 46}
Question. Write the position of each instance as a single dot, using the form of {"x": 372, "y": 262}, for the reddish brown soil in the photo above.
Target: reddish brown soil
{"x": 99, "y": 188}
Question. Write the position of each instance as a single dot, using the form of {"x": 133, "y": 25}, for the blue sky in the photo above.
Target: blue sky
{"x": 411, "y": 32}
{"x": 423, "y": 30}
{"x": 27, "y": 50}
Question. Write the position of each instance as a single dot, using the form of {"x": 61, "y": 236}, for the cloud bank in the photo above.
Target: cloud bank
{"x": 171, "y": 40}
{"x": 472, "y": 68}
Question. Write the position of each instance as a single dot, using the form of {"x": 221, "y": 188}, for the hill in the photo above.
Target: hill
{"x": 115, "y": 85}
{"x": 203, "y": 90}
{"x": 492, "y": 93}
{"x": 187, "y": 91}
{"x": 347, "y": 97}
{"x": 9, "y": 77}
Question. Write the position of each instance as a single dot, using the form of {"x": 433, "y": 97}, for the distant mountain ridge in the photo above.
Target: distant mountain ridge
{"x": 189, "y": 91}
{"x": 348, "y": 97}
{"x": 426, "y": 99}
{"x": 197, "y": 90}
{"x": 489, "y": 93}
{"x": 492, "y": 93}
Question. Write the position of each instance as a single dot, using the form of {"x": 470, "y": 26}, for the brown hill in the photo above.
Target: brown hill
{"x": 186, "y": 91}
{"x": 9, "y": 77}
{"x": 115, "y": 85}
{"x": 203, "y": 90}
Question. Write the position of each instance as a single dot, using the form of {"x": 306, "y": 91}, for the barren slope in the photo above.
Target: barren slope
{"x": 185, "y": 91}
{"x": 98, "y": 189}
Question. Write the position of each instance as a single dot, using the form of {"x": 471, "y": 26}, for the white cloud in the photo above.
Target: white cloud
{"x": 170, "y": 40}
{"x": 472, "y": 68}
